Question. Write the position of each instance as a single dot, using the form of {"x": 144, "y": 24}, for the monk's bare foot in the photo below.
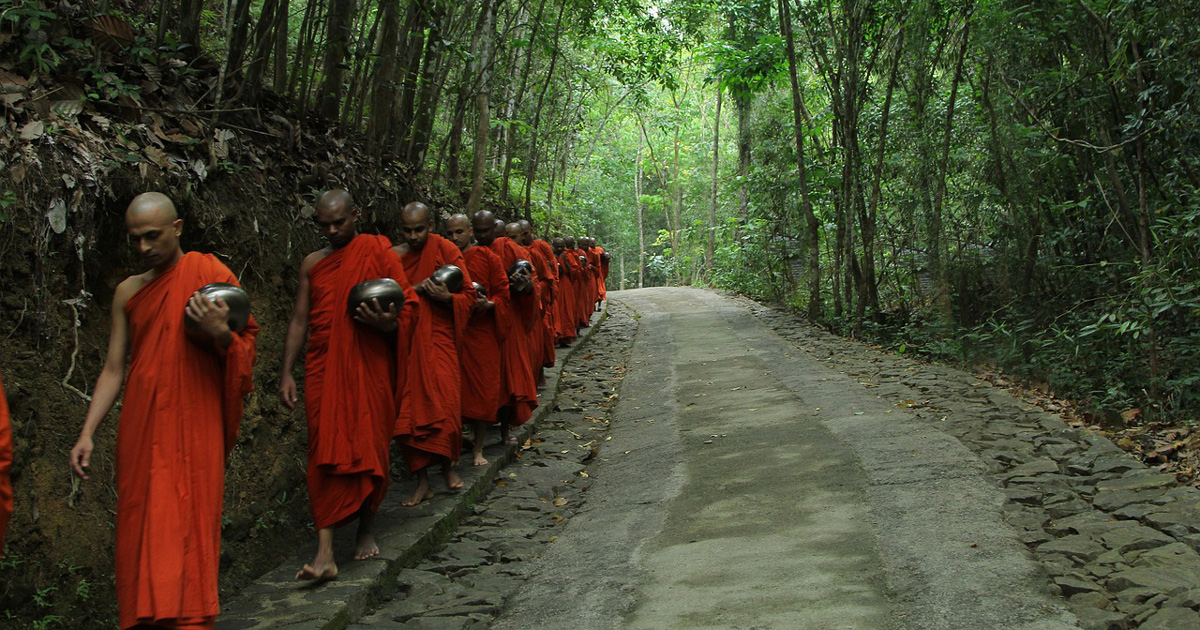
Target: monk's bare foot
{"x": 366, "y": 548}
{"x": 422, "y": 493}
{"x": 480, "y": 460}
{"x": 319, "y": 573}
{"x": 510, "y": 441}
{"x": 452, "y": 479}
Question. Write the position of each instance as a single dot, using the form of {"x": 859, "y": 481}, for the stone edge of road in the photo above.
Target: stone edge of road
{"x": 276, "y": 600}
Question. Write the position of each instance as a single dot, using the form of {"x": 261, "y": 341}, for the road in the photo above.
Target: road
{"x": 747, "y": 485}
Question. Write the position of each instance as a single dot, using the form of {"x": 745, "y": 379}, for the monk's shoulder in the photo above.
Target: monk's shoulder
{"x": 312, "y": 259}
{"x": 129, "y": 286}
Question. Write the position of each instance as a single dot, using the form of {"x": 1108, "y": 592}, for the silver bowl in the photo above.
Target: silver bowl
{"x": 235, "y": 298}
{"x": 521, "y": 264}
{"x": 386, "y": 290}
{"x": 450, "y": 276}
{"x": 479, "y": 289}
{"x": 583, "y": 260}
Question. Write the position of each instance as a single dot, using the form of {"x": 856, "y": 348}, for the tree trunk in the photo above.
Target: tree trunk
{"x": 637, "y": 195}
{"x": 532, "y": 158}
{"x": 337, "y": 41}
{"x": 813, "y": 243}
{"x": 482, "y": 105}
{"x": 711, "y": 253}
{"x": 383, "y": 88}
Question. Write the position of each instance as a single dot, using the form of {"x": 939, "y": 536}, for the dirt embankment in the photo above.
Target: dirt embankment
{"x": 243, "y": 181}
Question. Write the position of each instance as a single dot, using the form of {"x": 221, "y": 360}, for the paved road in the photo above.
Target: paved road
{"x": 749, "y": 486}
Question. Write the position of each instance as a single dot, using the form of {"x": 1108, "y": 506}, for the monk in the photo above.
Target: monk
{"x": 519, "y": 388}
{"x": 350, "y": 377}
{"x": 179, "y": 421}
{"x": 535, "y": 338}
{"x": 584, "y": 285}
{"x": 605, "y": 259}
{"x": 593, "y": 256}
{"x": 487, "y": 329}
{"x": 429, "y": 424}
{"x": 568, "y": 302}
{"x": 6, "y": 457}
{"x": 547, "y": 273}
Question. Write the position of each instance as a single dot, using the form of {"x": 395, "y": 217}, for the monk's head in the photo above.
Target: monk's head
{"x": 154, "y": 229}
{"x": 458, "y": 230}
{"x": 415, "y": 222}
{"x": 589, "y": 242}
{"x": 513, "y": 231}
{"x": 483, "y": 223}
{"x": 559, "y": 245}
{"x": 526, "y": 233}
{"x": 499, "y": 228}
{"x": 570, "y": 241}
{"x": 337, "y": 217}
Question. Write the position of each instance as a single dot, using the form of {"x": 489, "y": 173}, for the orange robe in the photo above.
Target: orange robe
{"x": 520, "y": 388}
{"x": 547, "y": 270}
{"x": 6, "y": 457}
{"x": 179, "y": 421}
{"x": 486, "y": 330}
{"x": 584, "y": 285}
{"x": 602, "y": 285}
{"x": 429, "y": 424}
{"x": 350, "y": 380}
{"x": 568, "y": 297}
{"x": 593, "y": 257}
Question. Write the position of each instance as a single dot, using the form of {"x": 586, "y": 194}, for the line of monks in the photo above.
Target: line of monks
{"x": 417, "y": 372}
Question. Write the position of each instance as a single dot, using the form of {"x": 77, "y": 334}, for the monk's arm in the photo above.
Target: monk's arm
{"x": 108, "y": 385}
{"x": 297, "y": 329}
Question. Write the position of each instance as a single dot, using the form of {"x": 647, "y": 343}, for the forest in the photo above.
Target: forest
{"x": 1003, "y": 184}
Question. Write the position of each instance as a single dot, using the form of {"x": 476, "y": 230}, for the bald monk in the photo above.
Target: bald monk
{"x": 179, "y": 421}
{"x": 6, "y": 457}
{"x": 547, "y": 273}
{"x": 567, "y": 303}
{"x": 535, "y": 338}
{"x": 593, "y": 256}
{"x": 488, "y": 327}
{"x": 519, "y": 388}
{"x": 605, "y": 259}
{"x": 583, "y": 285}
{"x": 578, "y": 271}
{"x": 430, "y": 423}
{"x": 350, "y": 377}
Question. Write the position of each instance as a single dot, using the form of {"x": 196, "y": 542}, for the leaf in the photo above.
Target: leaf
{"x": 559, "y": 502}
{"x": 33, "y": 130}
{"x": 57, "y": 216}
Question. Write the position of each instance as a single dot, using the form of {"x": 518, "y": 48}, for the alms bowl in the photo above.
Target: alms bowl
{"x": 450, "y": 276}
{"x": 479, "y": 289}
{"x": 386, "y": 290}
{"x": 235, "y": 297}
{"x": 520, "y": 265}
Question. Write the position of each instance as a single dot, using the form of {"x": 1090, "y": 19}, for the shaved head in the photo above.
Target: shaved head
{"x": 526, "y": 232}
{"x": 154, "y": 229}
{"x": 416, "y": 212}
{"x": 483, "y": 223}
{"x": 458, "y": 230}
{"x": 336, "y": 198}
{"x": 415, "y": 221}
{"x": 513, "y": 231}
{"x": 152, "y": 205}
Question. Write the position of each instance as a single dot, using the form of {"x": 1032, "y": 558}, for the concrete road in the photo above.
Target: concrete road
{"x": 748, "y": 486}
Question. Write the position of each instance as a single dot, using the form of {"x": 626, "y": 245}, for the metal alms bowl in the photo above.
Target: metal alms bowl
{"x": 386, "y": 290}
{"x": 583, "y": 260}
{"x": 520, "y": 265}
{"x": 451, "y": 276}
{"x": 479, "y": 288}
{"x": 235, "y": 297}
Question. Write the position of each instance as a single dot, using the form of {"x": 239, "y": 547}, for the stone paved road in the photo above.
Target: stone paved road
{"x": 775, "y": 493}
{"x": 757, "y": 472}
